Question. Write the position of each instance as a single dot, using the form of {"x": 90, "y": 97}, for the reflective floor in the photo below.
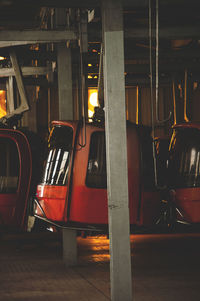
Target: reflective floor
{"x": 164, "y": 267}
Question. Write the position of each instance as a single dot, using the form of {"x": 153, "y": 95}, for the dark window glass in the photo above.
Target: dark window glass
{"x": 184, "y": 159}
{"x": 147, "y": 163}
{"x": 9, "y": 166}
{"x": 58, "y": 158}
{"x": 162, "y": 152}
{"x": 96, "y": 171}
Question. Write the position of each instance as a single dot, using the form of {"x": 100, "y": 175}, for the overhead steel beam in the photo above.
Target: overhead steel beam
{"x": 97, "y": 3}
{"x": 177, "y": 53}
{"x": 26, "y": 71}
{"x": 182, "y": 33}
{"x": 188, "y": 32}
{"x": 17, "y": 37}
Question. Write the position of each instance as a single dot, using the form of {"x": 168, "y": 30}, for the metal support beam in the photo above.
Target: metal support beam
{"x": 4, "y": 72}
{"x": 64, "y": 71}
{"x": 65, "y": 99}
{"x": 38, "y": 36}
{"x": 116, "y": 151}
{"x": 65, "y": 83}
{"x": 24, "y": 102}
{"x": 10, "y": 95}
{"x": 10, "y": 38}
{"x": 69, "y": 247}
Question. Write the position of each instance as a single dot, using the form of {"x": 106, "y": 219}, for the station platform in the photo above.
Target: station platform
{"x": 164, "y": 267}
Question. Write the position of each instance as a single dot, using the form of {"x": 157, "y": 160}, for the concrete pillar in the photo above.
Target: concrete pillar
{"x": 116, "y": 151}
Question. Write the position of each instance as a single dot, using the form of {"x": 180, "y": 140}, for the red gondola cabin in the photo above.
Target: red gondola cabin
{"x": 184, "y": 172}
{"x": 73, "y": 188}
{"x": 15, "y": 177}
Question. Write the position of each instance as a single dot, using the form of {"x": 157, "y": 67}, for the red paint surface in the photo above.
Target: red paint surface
{"x": 13, "y": 205}
{"x": 52, "y": 199}
{"x": 89, "y": 205}
{"x": 188, "y": 201}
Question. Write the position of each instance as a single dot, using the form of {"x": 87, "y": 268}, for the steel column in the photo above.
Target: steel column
{"x": 116, "y": 151}
{"x": 65, "y": 113}
{"x": 65, "y": 83}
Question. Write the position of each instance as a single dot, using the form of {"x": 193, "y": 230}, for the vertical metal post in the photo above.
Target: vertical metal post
{"x": 65, "y": 82}
{"x": 116, "y": 151}
{"x": 69, "y": 247}
{"x": 10, "y": 95}
{"x": 64, "y": 71}
{"x": 24, "y": 102}
{"x": 65, "y": 113}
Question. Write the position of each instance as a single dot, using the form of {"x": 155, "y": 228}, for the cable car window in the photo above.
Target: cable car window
{"x": 147, "y": 163}
{"x": 9, "y": 166}
{"x": 96, "y": 170}
{"x": 58, "y": 158}
{"x": 184, "y": 159}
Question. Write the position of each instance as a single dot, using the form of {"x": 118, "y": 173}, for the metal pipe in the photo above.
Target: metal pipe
{"x": 174, "y": 100}
{"x": 157, "y": 70}
{"x": 185, "y": 96}
{"x": 137, "y": 105}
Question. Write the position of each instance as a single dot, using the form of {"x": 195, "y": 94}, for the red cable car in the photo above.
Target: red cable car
{"x": 73, "y": 189}
{"x": 18, "y": 152}
{"x": 183, "y": 173}
{"x": 15, "y": 177}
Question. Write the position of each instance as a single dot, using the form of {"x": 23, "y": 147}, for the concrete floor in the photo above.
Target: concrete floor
{"x": 165, "y": 267}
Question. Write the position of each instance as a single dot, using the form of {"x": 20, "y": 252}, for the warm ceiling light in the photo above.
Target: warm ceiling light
{"x": 2, "y": 58}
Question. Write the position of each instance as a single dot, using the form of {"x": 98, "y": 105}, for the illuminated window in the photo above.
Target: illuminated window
{"x": 92, "y": 101}
{"x": 3, "y": 110}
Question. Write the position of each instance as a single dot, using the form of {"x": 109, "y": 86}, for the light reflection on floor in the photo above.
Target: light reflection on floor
{"x": 96, "y": 248}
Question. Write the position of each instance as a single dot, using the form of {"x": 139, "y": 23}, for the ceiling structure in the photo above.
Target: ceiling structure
{"x": 178, "y": 32}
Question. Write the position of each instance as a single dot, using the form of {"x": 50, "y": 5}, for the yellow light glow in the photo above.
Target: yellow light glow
{"x": 89, "y": 65}
{"x": 92, "y": 101}
{"x": 3, "y": 110}
{"x": 2, "y": 58}
{"x": 90, "y": 113}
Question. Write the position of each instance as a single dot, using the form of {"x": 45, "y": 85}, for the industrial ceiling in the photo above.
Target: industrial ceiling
{"x": 178, "y": 32}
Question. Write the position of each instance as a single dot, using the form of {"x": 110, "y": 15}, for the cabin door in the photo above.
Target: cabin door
{"x": 15, "y": 176}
